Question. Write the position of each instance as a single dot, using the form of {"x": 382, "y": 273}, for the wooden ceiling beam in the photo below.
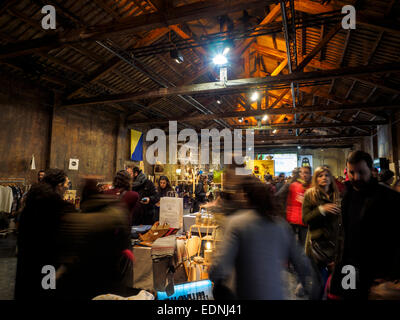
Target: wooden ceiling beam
{"x": 271, "y": 16}
{"x": 259, "y": 138}
{"x": 307, "y": 59}
{"x": 102, "y": 4}
{"x": 113, "y": 63}
{"x": 273, "y": 111}
{"x": 313, "y": 125}
{"x": 131, "y": 25}
{"x": 242, "y": 84}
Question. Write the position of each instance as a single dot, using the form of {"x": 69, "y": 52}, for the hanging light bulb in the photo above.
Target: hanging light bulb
{"x": 220, "y": 59}
{"x": 254, "y": 96}
{"x": 265, "y": 117}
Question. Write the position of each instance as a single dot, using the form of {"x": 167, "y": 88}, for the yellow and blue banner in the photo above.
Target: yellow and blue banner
{"x": 136, "y": 145}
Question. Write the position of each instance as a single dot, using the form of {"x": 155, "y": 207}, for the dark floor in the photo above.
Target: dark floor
{"x": 8, "y": 264}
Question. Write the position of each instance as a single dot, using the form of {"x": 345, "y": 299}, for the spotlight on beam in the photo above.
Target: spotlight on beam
{"x": 176, "y": 55}
{"x": 254, "y": 96}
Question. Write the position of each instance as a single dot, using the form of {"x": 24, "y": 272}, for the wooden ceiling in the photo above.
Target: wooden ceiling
{"x": 330, "y": 86}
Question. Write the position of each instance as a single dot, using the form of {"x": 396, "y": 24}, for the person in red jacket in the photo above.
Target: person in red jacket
{"x": 294, "y": 211}
{"x": 295, "y": 203}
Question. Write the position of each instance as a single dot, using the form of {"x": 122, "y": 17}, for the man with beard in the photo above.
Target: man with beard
{"x": 40, "y": 175}
{"x": 369, "y": 240}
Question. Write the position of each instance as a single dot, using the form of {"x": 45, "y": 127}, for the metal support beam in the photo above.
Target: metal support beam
{"x": 241, "y": 85}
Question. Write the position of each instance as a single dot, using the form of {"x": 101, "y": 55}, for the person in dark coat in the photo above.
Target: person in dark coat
{"x": 281, "y": 182}
{"x": 200, "y": 193}
{"x": 38, "y": 242}
{"x": 148, "y": 197}
{"x": 369, "y": 239}
{"x": 97, "y": 254}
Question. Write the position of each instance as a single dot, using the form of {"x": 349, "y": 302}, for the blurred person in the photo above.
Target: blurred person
{"x": 339, "y": 184}
{"x": 340, "y": 179}
{"x": 294, "y": 211}
{"x": 97, "y": 256}
{"x": 281, "y": 181}
{"x": 232, "y": 197}
{"x": 345, "y": 175}
{"x": 295, "y": 203}
{"x": 369, "y": 238}
{"x": 375, "y": 173}
{"x": 121, "y": 188}
{"x": 386, "y": 177}
{"x": 321, "y": 213}
{"x": 41, "y": 175}
{"x": 201, "y": 193}
{"x": 271, "y": 243}
{"x": 270, "y": 183}
{"x": 38, "y": 240}
{"x": 148, "y": 197}
{"x": 282, "y": 195}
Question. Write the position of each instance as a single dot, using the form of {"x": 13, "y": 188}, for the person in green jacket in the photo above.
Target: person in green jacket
{"x": 321, "y": 212}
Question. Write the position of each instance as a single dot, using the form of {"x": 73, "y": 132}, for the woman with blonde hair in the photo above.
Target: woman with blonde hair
{"x": 321, "y": 212}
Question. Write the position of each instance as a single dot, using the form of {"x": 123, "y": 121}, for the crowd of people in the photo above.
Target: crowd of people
{"x": 311, "y": 224}
{"x": 339, "y": 226}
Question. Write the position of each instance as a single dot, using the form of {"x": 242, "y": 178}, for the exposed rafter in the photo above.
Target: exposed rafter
{"x": 240, "y": 85}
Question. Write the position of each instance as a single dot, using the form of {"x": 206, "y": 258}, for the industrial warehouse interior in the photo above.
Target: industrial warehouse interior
{"x": 199, "y": 150}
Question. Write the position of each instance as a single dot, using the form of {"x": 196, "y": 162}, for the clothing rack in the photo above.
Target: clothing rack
{"x": 12, "y": 180}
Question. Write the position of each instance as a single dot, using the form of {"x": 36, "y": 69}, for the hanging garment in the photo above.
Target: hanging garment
{"x": 6, "y": 199}
{"x": 17, "y": 195}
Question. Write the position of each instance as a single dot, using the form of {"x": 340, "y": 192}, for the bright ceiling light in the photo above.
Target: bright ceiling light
{"x": 220, "y": 59}
{"x": 219, "y": 101}
{"x": 274, "y": 131}
{"x": 298, "y": 147}
{"x": 226, "y": 50}
{"x": 254, "y": 96}
{"x": 265, "y": 117}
